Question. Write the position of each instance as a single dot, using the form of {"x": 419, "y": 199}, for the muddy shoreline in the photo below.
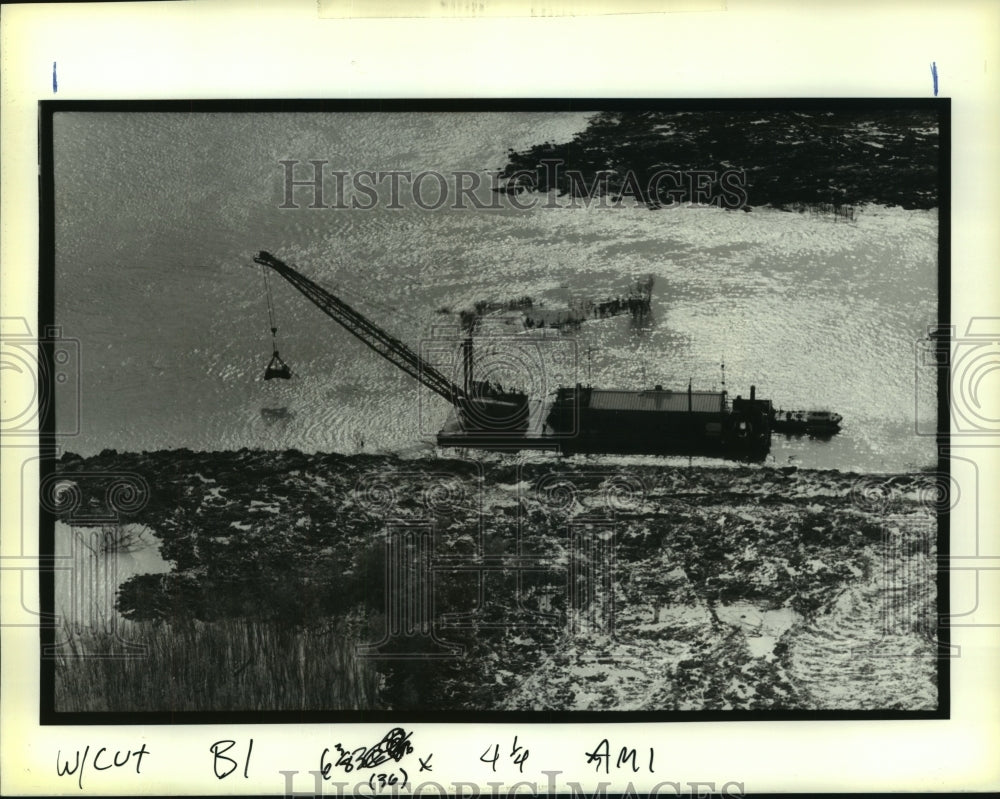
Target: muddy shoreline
{"x": 554, "y": 585}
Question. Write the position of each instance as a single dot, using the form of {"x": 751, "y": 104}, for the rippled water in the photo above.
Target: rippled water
{"x": 159, "y": 215}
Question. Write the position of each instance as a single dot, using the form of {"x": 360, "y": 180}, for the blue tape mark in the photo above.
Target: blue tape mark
{"x": 934, "y": 75}
{"x": 55, "y": 83}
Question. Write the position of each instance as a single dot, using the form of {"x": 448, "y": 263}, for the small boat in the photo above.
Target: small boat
{"x": 816, "y": 422}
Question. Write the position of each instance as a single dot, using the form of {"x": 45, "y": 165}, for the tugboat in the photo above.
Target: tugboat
{"x": 814, "y": 422}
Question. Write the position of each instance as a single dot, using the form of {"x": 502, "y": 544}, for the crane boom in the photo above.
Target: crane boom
{"x": 389, "y": 347}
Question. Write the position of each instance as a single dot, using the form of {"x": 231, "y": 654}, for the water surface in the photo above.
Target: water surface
{"x": 159, "y": 215}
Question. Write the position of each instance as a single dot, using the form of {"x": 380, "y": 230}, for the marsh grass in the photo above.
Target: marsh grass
{"x": 236, "y": 664}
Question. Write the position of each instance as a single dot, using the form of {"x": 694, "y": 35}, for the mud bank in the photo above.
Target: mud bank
{"x": 552, "y": 585}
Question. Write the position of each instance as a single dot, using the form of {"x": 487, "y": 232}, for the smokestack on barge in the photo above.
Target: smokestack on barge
{"x": 467, "y": 365}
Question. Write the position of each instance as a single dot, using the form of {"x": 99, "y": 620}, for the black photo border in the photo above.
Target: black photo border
{"x": 49, "y": 716}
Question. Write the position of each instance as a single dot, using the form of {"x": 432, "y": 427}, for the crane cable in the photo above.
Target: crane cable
{"x": 270, "y": 312}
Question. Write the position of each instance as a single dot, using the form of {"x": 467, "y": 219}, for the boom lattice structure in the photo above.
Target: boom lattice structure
{"x": 389, "y": 347}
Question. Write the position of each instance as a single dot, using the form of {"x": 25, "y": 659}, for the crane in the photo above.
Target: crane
{"x": 478, "y": 404}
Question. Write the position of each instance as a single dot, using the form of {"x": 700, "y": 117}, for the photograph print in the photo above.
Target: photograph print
{"x": 480, "y": 410}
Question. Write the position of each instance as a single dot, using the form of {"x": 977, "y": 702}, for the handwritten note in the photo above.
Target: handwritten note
{"x": 394, "y": 746}
{"x": 625, "y": 757}
{"x": 518, "y": 754}
{"x": 101, "y": 761}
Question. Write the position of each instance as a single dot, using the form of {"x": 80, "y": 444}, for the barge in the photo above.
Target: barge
{"x": 583, "y": 419}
